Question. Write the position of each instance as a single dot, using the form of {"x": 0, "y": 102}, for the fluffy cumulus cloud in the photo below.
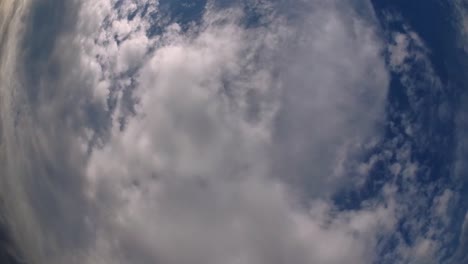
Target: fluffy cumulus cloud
{"x": 225, "y": 121}
{"x": 141, "y": 138}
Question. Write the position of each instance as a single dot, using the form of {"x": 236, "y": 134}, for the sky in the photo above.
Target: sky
{"x": 236, "y": 132}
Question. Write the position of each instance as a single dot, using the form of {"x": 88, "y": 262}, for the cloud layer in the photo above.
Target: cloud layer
{"x": 137, "y": 137}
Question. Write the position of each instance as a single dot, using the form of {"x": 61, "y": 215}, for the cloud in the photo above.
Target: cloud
{"x": 139, "y": 140}
{"x": 460, "y": 22}
{"x": 427, "y": 196}
{"x": 227, "y": 123}
{"x": 220, "y": 141}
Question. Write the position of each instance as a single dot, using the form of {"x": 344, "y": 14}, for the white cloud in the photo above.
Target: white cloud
{"x": 441, "y": 204}
{"x": 227, "y": 130}
{"x": 191, "y": 178}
